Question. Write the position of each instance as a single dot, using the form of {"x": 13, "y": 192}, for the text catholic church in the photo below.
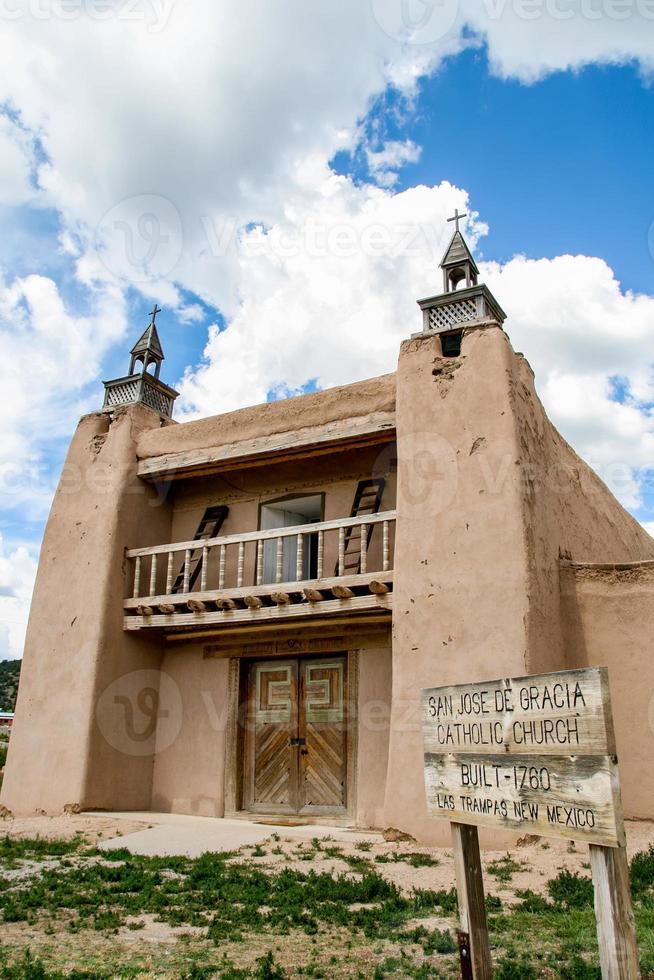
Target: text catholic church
{"x": 237, "y": 615}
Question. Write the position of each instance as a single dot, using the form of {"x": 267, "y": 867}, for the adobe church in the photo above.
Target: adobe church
{"x": 235, "y": 616}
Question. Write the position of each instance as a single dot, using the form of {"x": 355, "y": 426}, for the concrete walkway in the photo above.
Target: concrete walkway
{"x": 174, "y": 833}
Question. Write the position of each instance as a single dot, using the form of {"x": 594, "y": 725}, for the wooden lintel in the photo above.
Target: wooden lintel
{"x": 293, "y": 645}
{"x": 192, "y": 629}
{"x": 264, "y": 450}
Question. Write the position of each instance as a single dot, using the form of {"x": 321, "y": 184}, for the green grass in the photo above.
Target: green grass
{"x": 86, "y": 892}
{"x": 504, "y": 868}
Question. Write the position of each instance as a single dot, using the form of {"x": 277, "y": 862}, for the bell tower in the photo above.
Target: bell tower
{"x": 464, "y": 300}
{"x": 143, "y": 383}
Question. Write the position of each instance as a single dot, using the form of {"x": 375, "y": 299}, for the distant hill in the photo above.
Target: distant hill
{"x": 9, "y": 674}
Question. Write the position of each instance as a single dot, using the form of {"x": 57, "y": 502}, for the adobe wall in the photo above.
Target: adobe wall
{"x": 286, "y": 415}
{"x": 608, "y": 616}
{"x": 189, "y": 764}
{"x": 488, "y": 494}
{"x": 87, "y": 701}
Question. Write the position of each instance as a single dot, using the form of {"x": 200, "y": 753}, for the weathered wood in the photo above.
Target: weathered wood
{"x": 321, "y": 553}
{"x": 378, "y": 588}
{"x": 205, "y": 565}
{"x": 354, "y": 581}
{"x": 259, "y": 562}
{"x": 169, "y": 573}
{"x": 342, "y": 592}
{"x": 166, "y": 608}
{"x": 331, "y": 607}
{"x": 281, "y": 598}
{"x": 500, "y": 714}
{"x": 145, "y": 611}
{"x": 386, "y": 561}
{"x": 330, "y": 437}
{"x": 363, "y": 561}
{"x": 573, "y": 797}
{"x": 249, "y": 630}
{"x": 187, "y": 570}
{"x": 530, "y": 754}
{"x": 341, "y": 550}
{"x": 221, "y": 566}
{"x": 196, "y": 605}
{"x": 313, "y": 595}
{"x": 137, "y": 578}
{"x": 616, "y": 931}
{"x": 281, "y": 532}
{"x": 153, "y": 575}
{"x": 252, "y": 601}
{"x": 470, "y": 891}
{"x": 241, "y": 565}
{"x": 299, "y": 558}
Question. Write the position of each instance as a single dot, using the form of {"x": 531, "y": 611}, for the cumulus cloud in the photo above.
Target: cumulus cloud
{"x": 15, "y": 164}
{"x": 47, "y": 356}
{"x": 385, "y": 164}
{"x": 17, "y": 572}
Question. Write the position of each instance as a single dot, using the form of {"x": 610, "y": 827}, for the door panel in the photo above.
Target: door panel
{"x": 270, "y": 758}
{"x": 322, "y": 723}
{"x": 296, "y": 737}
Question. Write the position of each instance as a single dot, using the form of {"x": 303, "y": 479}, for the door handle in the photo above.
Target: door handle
{"x": 298, "y": 741}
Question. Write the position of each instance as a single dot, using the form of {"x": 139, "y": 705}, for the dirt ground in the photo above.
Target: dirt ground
{"x": 163, "y": 951}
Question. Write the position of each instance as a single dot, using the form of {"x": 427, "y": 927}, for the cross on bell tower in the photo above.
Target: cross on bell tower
{"x": 147, "y": 350}
{"x": 143, "y": 384}
{"x": 457, "y": 263}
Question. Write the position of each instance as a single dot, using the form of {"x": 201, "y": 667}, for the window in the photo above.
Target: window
{"x": 291, "y": 512}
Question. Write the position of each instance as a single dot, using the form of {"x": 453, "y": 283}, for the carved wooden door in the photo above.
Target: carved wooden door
{"x": 322, "y": 781}
{"x": 296, "y": 737}
{"x": 271, "y": 737}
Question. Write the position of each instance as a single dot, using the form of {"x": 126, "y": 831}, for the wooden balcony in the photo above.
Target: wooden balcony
{"x": 326, "y": 571}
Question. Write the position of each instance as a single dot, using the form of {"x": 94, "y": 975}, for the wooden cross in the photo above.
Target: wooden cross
{"x": 457, "y": 217}
{"x": 157, "y": 309}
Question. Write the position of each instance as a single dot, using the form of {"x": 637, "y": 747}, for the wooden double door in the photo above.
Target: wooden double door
{"x": 295, "y": 747}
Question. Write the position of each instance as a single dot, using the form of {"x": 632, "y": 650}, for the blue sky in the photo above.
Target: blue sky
{"x": 544, "y": 132}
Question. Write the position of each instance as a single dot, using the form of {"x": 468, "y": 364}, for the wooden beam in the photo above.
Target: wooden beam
{"x": 378, "y": 588}
{"x": 311, "y": 441}
{"x": 166, "y": 608}
{"x": 353, "y": 581}
{"x": 144, "y": 611}
{"x": 252, "y": 601}
{"x": 313, "y": 595}
{"x": 473, "y": 943}
{"x": 196, "y": 605}
{"x": 257, "y": 632}
{"x": 342, "y": 592}
{"x": 616, "y": 930}
{"x": 281, "y": 598}
{"x": 232, "y": 615}
{"x": 297, "y": 642}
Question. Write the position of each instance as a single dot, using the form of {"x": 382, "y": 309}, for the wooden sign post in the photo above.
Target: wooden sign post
{"x": 531, "y": 754}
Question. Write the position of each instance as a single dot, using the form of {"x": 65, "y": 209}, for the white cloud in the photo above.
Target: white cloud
{"x": 385, "y": 164}
{"x": 47, "y": 356}
{"x": 649, "y": 527}
{"x": 17, "y": 573}
{"x": 15, "y": 164}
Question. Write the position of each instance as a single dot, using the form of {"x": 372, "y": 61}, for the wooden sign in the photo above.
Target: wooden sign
{"x": 533, "y": 754}
{"x": 537, "y": 754}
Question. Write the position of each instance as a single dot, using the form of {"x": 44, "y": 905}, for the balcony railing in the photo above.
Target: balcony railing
{"x": 327, "y": 567}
